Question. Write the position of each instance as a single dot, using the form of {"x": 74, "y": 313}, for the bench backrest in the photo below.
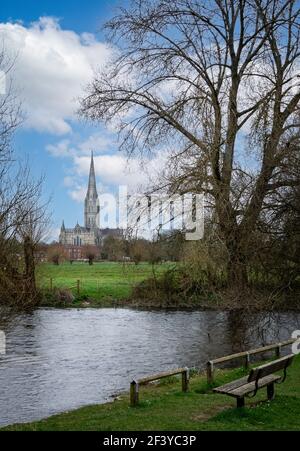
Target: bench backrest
{"x": 269, "y": 368}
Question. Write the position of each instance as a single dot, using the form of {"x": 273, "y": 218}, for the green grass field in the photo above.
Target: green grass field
{"x": 103, "y": 280}
{"x": 165, "y": 407}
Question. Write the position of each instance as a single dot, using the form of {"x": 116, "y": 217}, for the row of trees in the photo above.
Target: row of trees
{"x": 166, "y": 248}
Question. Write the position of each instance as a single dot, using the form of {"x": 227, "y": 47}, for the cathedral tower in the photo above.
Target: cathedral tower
{"x": 91, "y": 203}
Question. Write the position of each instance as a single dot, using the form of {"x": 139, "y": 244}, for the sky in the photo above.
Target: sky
{"x": 57, "y": 46}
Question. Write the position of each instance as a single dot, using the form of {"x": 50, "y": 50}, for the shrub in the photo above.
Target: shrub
{"x": 60, "y": 297}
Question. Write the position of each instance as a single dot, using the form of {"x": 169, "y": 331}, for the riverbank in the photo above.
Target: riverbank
{"x": 165, "y": 407}
{"x": 145, "y": 286}
{"x": 225, "y": 301}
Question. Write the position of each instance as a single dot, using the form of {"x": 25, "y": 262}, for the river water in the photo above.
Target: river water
{"x": 60, "y": 359}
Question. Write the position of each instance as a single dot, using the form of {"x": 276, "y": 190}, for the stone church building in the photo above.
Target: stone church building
{"x": 91, "y": 234}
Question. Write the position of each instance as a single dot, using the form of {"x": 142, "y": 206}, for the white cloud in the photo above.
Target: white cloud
{"x": 112, "y": 169}
{"x": 68, "y": 181}
{"x": 61, "y": 149}
{"x": 78, "y": 193}
{"x": 52, "y": 67}
{"x": 118, "y": 170}
{"x": 98, "y": 142}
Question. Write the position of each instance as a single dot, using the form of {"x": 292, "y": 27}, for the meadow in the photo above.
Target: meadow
{"x": 100, "y": 281}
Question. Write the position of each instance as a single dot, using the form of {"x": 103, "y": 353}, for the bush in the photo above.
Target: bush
{"x": 60, "y": 297}
{"x": 165, "y": 287}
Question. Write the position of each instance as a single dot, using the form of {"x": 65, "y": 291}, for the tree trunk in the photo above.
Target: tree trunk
{"x": 30, "y": 285}
{"x": 237, "y": 268}
{"x": 232, "y": 236}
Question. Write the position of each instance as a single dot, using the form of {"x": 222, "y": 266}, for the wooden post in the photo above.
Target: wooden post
{"x": 278, "y": 351}
{"x": 51, "y": 284}
{"x": 247, "y": 360}
{"x": 240, "y": 402}
{"x": 210, "y": 372}
{"x": 78, "y": 287}
{"x": 270, "y": 391}
{"x": 185, "y": 380}
{"x": 134, "y": 393}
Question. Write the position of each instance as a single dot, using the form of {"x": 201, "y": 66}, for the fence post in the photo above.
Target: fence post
{"x": 134, "y": 393}
{"x": 247, "y": 360}
{"x": 185, "y": 380}
{"x": 78, "y": 287}
{"x": 51, "y": 284}
{"x": 278, "y": 350}
{"x": 210, "y": 372}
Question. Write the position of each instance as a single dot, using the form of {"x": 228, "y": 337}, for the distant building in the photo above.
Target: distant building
{"x": 91, "y": 234}
{"x": 74, "y": 252}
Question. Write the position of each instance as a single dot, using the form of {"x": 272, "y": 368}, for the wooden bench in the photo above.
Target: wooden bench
{"x": 258, "y": 378}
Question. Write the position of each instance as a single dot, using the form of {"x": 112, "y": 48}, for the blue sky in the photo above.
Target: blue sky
{"x": 73, "y": 14}
{"x": 58, "y": 45}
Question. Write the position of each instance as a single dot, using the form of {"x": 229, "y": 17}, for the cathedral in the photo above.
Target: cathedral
{"x": 91, "y": 234}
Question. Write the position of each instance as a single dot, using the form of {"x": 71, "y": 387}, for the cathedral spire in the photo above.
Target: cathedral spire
{"x": 91, "y": 204}
{"x": 92, "y": 189}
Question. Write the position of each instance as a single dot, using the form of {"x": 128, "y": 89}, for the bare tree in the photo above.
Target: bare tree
{"x": 24, "y": 221}
{"x": 22, "y": 217}
{"x": 33, "y": 228}
{"x": 91, "y": 253}
{"x": 218, "y": 81}
{"x": 56, "y": 254}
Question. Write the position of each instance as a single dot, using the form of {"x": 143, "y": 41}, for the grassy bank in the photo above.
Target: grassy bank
{"x": 149, "y": 286}
{"x": 100, "y": 283}
{"x": 165, "y": 407}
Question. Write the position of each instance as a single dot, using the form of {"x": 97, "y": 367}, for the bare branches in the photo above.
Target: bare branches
{"x": 9, "y": 109}
{"x": 23, "y": 216}
{"x": 206, "y": 78}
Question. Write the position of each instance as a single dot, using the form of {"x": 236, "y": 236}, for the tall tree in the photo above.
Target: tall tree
{"x": 33, "y": 228}
{"x": 217, "y": 80}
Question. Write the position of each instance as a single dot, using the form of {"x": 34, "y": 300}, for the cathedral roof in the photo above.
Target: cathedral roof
{"x": 80, "y": 229}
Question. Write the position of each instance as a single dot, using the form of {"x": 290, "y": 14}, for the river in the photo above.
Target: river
{"x": 60, "y": 359}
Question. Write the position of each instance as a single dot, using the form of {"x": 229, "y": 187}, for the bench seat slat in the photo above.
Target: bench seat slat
{"x": 242, "y": 387}
{"x": 248, "y": 388}
{"x": 232, "y": 385}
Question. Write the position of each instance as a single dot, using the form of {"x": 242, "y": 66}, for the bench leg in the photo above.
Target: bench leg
{"x": 270, "y": 391}
{"x": 240, "y": 402}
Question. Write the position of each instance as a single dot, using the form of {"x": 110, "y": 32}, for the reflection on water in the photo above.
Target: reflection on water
{"x": 60, "y": 359}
